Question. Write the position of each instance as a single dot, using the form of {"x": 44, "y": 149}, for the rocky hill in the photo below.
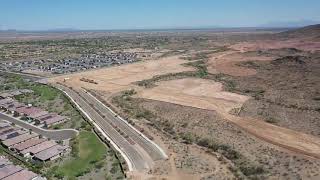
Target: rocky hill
{"x": 312, "y": 31}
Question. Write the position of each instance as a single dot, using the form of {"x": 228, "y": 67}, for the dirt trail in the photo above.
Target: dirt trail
{"x": 286, "y": 138}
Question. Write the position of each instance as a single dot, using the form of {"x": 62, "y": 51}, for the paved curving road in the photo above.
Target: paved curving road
{"x": 138, "y": 158}
{"x": 154, "y": 151}
{"x": 57, "y": 135}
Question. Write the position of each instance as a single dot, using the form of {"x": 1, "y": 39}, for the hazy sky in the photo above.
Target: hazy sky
{"x": 132, "y": 14}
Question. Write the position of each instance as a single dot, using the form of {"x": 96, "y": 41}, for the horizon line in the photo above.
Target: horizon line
{"x": 153, "y": 29}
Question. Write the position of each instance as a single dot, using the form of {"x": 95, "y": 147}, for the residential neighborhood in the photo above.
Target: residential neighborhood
{"x": 29, "y": 113}
{"x": 69, "y": 65}
{"x": 26, "y": 143}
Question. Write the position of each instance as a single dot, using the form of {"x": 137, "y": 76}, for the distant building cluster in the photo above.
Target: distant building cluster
{"x": 9, "y": 171}
{"x": 72, "y": 64}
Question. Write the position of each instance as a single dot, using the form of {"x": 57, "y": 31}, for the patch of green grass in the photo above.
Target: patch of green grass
{"x": 46, "y": 93}
{"x": 90, "y": 151}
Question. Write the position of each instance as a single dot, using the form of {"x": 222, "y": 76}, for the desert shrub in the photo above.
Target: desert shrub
{"x": 251, "y": 170}
{"x": 168, "y": 127}
{"x": 272, "y": 120}
{"x": 129, "y": 92}
{"x": 204, "y": 142}
{"x": 228, "y": 152}
{"x": 144, "y": 114}
{"x": 224, "y": 149}
{"x": 201, "y": 67}
{"x": 187, "y": 137}
{"x": 114, "y": 169}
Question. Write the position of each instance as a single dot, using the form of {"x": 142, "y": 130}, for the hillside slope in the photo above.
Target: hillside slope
{"x": 312, "y": 31}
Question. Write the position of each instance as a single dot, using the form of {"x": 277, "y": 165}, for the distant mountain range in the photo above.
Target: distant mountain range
{"x": 291, "y": 24}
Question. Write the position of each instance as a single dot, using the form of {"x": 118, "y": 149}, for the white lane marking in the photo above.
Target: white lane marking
{"x": 156, "y": 145}
{"x": 123, "y": 154}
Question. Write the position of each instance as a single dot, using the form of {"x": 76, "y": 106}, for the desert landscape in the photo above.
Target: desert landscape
{"x": 160, "y": 90}
{"x": 242, "y": 107}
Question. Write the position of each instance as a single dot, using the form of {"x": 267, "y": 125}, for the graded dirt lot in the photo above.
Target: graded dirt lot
{"x": 119, "y": 78}
{"x": 199, "y": 93}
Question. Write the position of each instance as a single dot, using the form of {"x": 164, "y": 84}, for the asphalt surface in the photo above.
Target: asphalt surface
{"x": 57, "y": 135}
{"x": 139, "y": 159}
{"x": 150, "y": 148}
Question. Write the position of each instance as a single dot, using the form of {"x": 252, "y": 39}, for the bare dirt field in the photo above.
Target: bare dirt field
{"x": 199, "y": 93}
{"x": 120, "y": 78}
